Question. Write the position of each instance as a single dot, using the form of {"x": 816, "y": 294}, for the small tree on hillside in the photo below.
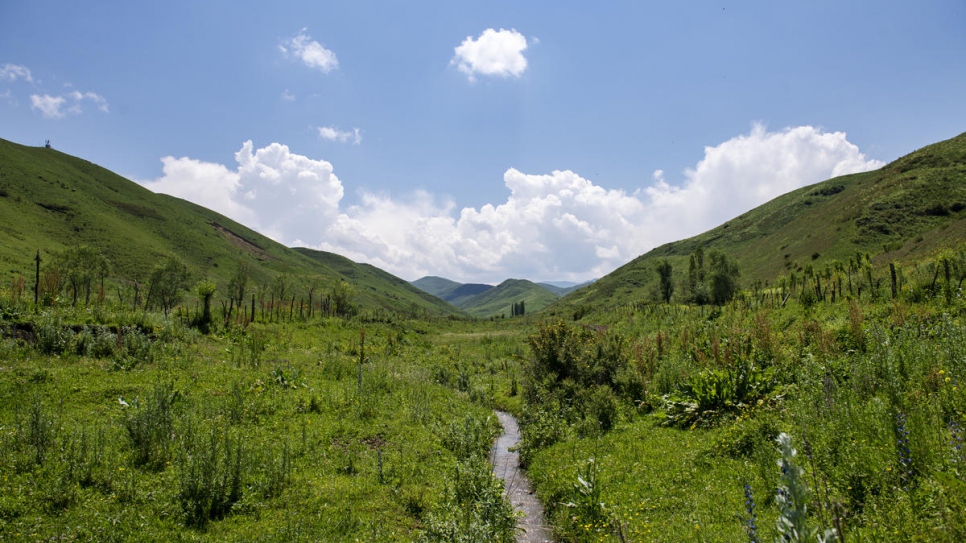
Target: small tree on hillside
{"x": 205, "y": 290}
{"x": 723, "y": 278}
{"x": 666, "y": 285}
{"x": 237, "y": 286}
{"x": 167, "y": 283}
{"x": 80, "y": 266}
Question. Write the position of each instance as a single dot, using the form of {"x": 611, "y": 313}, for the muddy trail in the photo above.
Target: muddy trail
{"x": 506, "y": 465}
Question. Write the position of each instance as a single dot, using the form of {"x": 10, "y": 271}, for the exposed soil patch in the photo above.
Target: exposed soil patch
{"x": 241, "y": 242}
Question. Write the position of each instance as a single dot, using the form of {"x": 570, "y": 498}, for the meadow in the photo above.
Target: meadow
{"x": 801, "y": 416}
{"x": 802, "y": 412}
{"x": 118, "y": 425}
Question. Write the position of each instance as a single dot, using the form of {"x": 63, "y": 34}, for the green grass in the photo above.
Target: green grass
{"x": 871, "y": 392}
{"x": 497, "y": 301}
{"x": 260, "y": 431}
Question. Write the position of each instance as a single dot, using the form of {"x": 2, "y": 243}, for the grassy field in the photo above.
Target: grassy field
{"x": 126, "y": 427}
{"x": 661, "y": 422}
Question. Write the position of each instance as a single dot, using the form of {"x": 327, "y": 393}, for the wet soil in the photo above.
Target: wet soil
{"x": 506, "y": 465}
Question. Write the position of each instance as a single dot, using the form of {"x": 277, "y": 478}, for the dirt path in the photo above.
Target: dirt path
{"x": 506, "y": 465}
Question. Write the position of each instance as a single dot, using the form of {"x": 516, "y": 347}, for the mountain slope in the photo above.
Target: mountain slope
{"x": 50, "y": 200}
{"x": 379, "y": 288}
{"x": 458, "y": 294}
{"x": 901, "y": 212}
{"x": 498, "y": 300}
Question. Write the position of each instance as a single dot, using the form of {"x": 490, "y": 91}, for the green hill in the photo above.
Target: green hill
{"x": 498, "y": 300}
{"x": 379, "y": 288}
{"x": 50, "y": 200}
{"x": 902, "y": 212}
{"x": 458, "y": 294}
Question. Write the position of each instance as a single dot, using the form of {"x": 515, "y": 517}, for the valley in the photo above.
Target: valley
{"x": 798, "y": 370}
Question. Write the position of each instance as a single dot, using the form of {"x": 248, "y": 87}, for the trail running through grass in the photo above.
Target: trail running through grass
{"x": 506, "y": 465}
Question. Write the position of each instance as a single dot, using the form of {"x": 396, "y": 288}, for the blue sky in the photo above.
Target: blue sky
{"x": 486, "y": 140}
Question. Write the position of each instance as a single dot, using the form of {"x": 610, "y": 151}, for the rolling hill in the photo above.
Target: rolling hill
{"x": 498, "y": 300}
{"x": 488, "y": 301}
{"x": 50, "y": 200}
{"x": 455, "y": 293}
{"x": 902, "y": 212}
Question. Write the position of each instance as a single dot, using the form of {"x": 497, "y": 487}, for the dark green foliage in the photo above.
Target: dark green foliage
{"x": 151, "y": 427}
{"x": 723, "y": 278}
{"x": 665, "y": 280}
{"x": 166, "y": 285}
{"x": 80, "y": 267}
{"x": 718, "y": 284}
{"x": 210, "y": 478}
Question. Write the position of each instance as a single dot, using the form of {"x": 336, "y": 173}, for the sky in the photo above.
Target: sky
{"x": 545, "y": 140}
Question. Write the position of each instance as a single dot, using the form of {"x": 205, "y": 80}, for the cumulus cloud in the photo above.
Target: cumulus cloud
{"x": 282, "y": 194}
{"x": 71, "y": 103}
{"x": 749, "y": 170}
{"x": 493, "y": 53}
{"x": 557, "y": 225}
{"x": 310, "y": 52}
{"x": 13, "y": 72}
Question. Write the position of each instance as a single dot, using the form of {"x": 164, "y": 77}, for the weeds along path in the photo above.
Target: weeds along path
{"x": 506, "y": 465}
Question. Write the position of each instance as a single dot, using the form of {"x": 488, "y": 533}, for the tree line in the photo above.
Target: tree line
{"x": 81, "y": 275}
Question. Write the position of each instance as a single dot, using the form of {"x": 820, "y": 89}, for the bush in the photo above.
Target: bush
{"x": 151, "y": 427}
{"x": 210, "y": 478}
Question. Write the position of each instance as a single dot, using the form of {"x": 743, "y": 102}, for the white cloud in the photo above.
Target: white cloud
{"x": 495, "y": 52}
{"x": 279, "y": 193}
{"x": 312, "y": 53}
{"x": 49, "y": 106}
{"x": 13, "y": 72}
{"x": 334, "y": 134}
{"x": 747, "y": 171}
{"x": 288, "y": 96}
{"x": 551, "y": 226}
{"x": 58, "y": 107}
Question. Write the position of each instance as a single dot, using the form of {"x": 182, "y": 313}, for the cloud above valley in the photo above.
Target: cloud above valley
{"x": 496, "y": 53}
{"x": 556, "y": 225}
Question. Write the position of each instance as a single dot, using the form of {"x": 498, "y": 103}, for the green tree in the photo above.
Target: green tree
{"x": 205, "y": 290}
{"x": 167, "y": 283}
{"x": 697, "y": 285}
{"x": 237, "y": 285}
{"x": 666, "y": 285}
{"x": 342, "y": 293}
{"x": 723, "y": 278}
{"x": 80, "y": 267}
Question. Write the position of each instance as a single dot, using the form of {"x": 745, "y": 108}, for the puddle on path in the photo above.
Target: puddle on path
{"x": 506, "y": 465}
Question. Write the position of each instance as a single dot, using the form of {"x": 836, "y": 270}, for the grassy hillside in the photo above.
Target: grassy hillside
{"x": 902, "y": 212}
{"x": 379, "y": 288}
{"x": 498, "y": 300}
{"x": 561, "y": 290}
{"x": 50, "y": 200}
{"x": 458, "y": 294}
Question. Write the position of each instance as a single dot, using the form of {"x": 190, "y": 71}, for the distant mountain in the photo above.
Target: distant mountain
{"x": 50, "y": 201}
{"x": 563, "y": 288}
{"x": 498, "y": 300}
{"x": 489, "y": 301}
{"x": 450, "y": 291}
{"x": 903, "y": 212}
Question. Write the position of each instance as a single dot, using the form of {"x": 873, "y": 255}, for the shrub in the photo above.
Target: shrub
{"x": 210, "y": 476}
{"x": 151, "y": 427}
